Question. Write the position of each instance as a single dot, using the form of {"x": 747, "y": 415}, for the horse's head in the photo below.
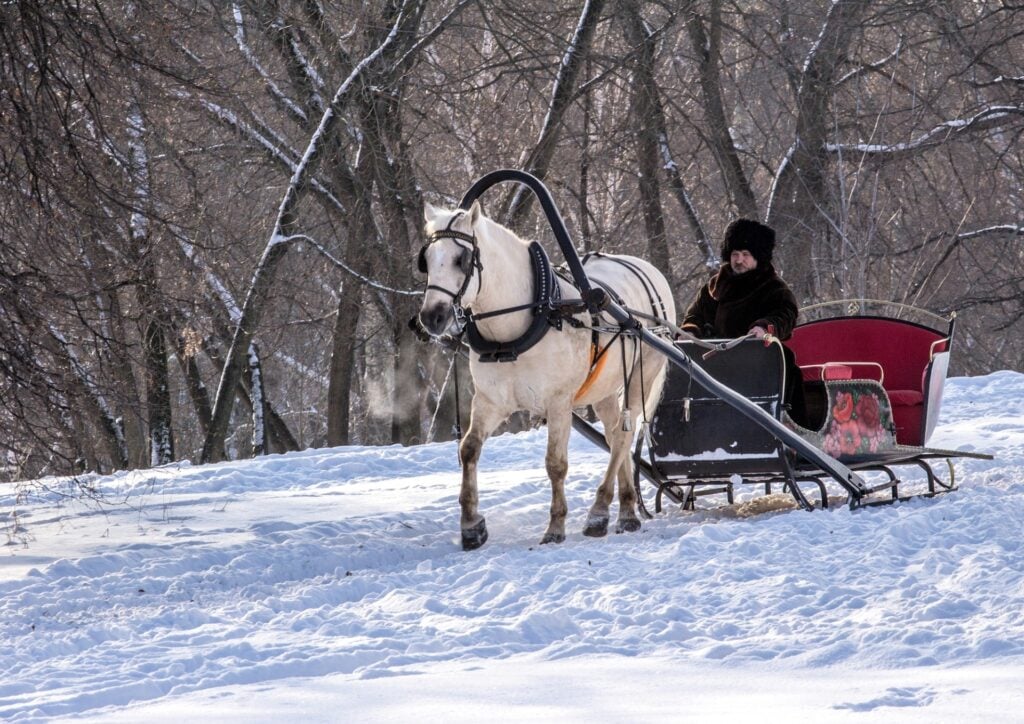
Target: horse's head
{"x": 451, "y": 260}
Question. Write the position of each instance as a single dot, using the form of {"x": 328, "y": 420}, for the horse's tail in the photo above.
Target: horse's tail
{"x": 652, "y": 395}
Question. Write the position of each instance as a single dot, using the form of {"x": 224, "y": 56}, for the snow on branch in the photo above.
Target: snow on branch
{"x": 678, "y": 188}
{"x": 874, "y": 66}
{"x": 1000, "y": 80}
{"x": 103, "y": 408}
{"x": 215, "y": 283}
{"x": 271, "y": 146}
{"x": 338, "y": 263}
{"x": 991, "y": 117}
{"x": 784, "y": 168}
{"x": 998, "y": 229}
{"x": 302, "y": 171}
{"x": 537, "y": 159}
{"x": 812, "y": 52}
{"x": 307, "y": 67}
{"x": 294, "y": 108}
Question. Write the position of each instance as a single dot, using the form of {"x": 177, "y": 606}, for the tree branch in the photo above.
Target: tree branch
{"x": 993, "y": 117}
{"x": 539, "y": 159}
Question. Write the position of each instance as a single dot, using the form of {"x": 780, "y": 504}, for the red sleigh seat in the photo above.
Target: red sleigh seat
{"x": 909, "y": 359}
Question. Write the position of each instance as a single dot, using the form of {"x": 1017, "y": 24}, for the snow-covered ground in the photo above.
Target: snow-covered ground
{"x": 329, "y": 585}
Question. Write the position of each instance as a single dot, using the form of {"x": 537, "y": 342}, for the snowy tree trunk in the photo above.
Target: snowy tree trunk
{"x": 799, "y": 205}
{"x": 158, "y": 394}
{"x": 706, "y": 43}
{"x": 259, "y": 427}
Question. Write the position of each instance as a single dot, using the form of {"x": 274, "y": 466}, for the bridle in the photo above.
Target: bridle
{"x": 469, "y": 260}
{"x": 548, "y": 310}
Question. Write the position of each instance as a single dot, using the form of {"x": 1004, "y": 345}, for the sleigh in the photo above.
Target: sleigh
{"x": 873, "y": 389}
{"x": 873, "y": 384}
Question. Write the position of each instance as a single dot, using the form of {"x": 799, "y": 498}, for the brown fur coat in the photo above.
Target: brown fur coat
{"x": 729, "y": 304}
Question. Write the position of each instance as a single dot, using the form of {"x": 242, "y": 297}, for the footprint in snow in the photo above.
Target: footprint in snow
{"x": 894, "y": 696}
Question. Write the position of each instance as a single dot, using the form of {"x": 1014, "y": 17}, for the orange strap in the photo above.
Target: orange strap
{"x": 596, "y": 365}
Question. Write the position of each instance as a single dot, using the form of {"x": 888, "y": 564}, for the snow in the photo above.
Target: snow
{"x": 329, "y": 585}
{"x": 717, "y": 454}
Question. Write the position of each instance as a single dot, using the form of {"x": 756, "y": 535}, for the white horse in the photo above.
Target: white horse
{"x": 475, "y": 264}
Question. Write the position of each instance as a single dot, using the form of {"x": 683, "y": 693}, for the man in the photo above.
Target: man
{"x": 747, "y": 296}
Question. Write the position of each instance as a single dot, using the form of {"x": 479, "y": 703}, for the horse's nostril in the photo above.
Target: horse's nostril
{"x": 434, "y": 319}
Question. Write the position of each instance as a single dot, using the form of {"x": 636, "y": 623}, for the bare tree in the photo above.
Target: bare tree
{"x": 226, "y": 198}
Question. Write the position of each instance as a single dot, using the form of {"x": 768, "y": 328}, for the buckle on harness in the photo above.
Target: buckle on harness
{"x": 459, "y": 316}
{"x": 502, "y": 354}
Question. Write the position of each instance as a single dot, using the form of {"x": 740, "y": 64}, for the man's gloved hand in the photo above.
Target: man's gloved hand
{"x": 759, "y": 332}
{"x": 768, "y": 336}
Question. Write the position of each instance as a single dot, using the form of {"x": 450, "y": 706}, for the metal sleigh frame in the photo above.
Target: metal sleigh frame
{"x": 795, "y": 459}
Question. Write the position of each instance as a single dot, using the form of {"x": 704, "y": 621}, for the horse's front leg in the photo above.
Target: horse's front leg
{"x": 483, "y": 420}
{"x": 557, "y": 463}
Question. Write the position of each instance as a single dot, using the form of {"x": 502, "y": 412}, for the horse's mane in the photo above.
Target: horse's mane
{"x": 493, "y": 228}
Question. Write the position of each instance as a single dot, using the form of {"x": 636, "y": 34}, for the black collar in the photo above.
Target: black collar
{"x": 546, "y": 295}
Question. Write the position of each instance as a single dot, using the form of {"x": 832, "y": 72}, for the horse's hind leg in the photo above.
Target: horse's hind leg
{"x": 483, "y": 420}
{"x": 610, "y": 414}
{"x": 620, "y": 465}
{"x": 629, "y": 521}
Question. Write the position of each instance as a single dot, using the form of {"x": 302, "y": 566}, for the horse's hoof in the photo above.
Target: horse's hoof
{"x": 552, "y": 538}
{"x": 629, "y": 525}
{"x": 597, "y": 527}
{"x": 473, "y": 538}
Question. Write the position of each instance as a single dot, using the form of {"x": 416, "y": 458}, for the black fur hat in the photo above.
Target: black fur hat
{"x": 751, "y": 235}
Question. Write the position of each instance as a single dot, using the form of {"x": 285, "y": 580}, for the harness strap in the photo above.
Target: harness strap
{"x": 449, "y": 233}
{"x": 507, "y": 310}
{"x": 645, "y": 281}
{"x": 474, "y": 260}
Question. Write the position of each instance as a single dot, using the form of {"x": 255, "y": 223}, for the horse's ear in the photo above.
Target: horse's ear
{"x": 429, "y": 211}
{"x": 474, "y": 213}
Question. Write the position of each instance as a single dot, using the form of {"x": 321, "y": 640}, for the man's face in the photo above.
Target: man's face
{"x": 742, "y": 261}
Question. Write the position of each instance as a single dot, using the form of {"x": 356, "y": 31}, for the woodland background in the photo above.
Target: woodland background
{"x": 209, "y": 211}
